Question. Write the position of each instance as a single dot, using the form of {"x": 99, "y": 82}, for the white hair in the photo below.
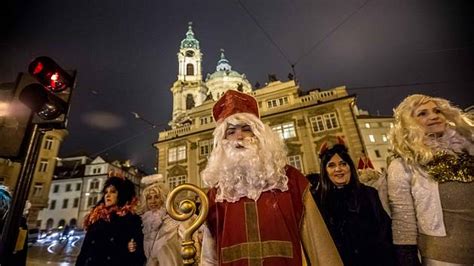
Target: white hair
{"x": 246, "y": 172}
{"x": 408, "y": 138}
{"x": 156, "y": 187}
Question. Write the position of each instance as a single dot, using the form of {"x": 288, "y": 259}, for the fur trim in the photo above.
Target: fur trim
{"x": 150, "y": 179}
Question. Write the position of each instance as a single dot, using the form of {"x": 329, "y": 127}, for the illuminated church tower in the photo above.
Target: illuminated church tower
{"x": 189, "y": 89}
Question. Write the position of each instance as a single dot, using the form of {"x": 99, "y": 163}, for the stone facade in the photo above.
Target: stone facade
{"x": 304, "y": 121}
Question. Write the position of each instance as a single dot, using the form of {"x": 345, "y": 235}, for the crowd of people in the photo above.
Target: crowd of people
{"x": 263, "y": 211}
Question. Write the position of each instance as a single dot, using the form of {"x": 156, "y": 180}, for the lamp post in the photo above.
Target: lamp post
{"x": 138, "y": 116}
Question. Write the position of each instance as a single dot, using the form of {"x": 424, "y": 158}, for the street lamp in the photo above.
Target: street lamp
{"x": 137, "y": 116}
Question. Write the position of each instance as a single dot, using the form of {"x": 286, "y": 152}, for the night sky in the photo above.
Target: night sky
{"x": 125, "y": 55}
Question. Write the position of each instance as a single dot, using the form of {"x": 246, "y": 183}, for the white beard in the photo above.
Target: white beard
{"x": 241, "y": 171}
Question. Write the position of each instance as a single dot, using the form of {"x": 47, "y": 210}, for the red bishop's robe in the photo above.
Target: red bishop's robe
{"x": 266, "y": 231}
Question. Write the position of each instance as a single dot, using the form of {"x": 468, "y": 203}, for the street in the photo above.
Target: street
{"x": 54, "y": 251}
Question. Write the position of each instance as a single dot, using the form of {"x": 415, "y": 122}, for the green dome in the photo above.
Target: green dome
{"x": 190, "y": 41}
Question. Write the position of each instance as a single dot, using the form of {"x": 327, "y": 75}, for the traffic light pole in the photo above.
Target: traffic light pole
{"x": 20, "y": 195}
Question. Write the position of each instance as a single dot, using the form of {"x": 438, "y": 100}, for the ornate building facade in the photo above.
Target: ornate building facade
{"x": 375, "y": 131}
{"x": 303, "y": 120}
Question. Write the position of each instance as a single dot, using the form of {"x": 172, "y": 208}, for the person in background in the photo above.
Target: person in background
{"x": 358, "y": 224}
{"x": 113, "y": 230}
{"x": 5, "y": 203}
{"x": 20, "y": 250}
{"x": 161, "y": 239}
{"x": 430, "y": 183}
{"x": 260, "y": 209}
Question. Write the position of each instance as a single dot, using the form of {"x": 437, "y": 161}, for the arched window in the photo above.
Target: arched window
{"x": 62, "y": 222}
{"x": 49, "y": 223}
{"x": 73, "y": 222}
{"x": 189, "y": 70}
{"x": 189, "y": 101}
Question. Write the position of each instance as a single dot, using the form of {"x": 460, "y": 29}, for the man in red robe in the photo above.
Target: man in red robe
{"x": 260, "y": 208}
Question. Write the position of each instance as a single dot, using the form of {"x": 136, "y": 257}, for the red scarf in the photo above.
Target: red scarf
{"x": 101, "y": 212}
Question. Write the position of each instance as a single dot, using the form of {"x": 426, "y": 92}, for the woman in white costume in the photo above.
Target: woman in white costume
{"x": 161, "y": 240}
{"x": 430, "y": 183}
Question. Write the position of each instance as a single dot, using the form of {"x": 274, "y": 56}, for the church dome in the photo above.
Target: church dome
{"x": 224, "y": 69}
{"x": 224, "y": 78}
{"x": 190, "y": 41}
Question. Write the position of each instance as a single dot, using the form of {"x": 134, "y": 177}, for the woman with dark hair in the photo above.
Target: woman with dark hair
{"x": 114, "y": 232}
{"x": 352, "y": 211}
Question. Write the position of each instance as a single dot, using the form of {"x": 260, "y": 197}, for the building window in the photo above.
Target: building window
{"x": 92, "y": 200}
{"x": 331, "y": 120}
{"x": 295, "y": 161}
{"x": 189, "y": 70}
{"x": 324, "y": 122}
{"x": 49, "y": 223}
{"x": 75, "y": 203}
{"x": 367, "y": 125}
{"x": 61, "y": 223}
{"x": 175, "y": 181}
{"x": 391, "y": 125}
{"x": 177, "y": 153}
{"x": 94, "y": 184}
{"x": 277, "y": 102}
{"x": 206, "y": 120}
{"x": 371, "y": 138}
{"x": 37, "y": 189}
{"x": 68, "y": 187}
{"x": 317, "y": 123}
{"x": 377, "y": 153}
{"x": 2, "y": 180}
{"x": 384, "y": 138}
{"x": 48, "y": 143}
{"x": 205, "y": 147}
{"x": 52, "y": 205}
{"x": 43, "y": 165}
{"x": 55, "y": 188}
{"x": 286, "y": 130}
{"x": 96, "y": 170}
{"x": 78, "y": 186}
{"x": 65, "y": 202}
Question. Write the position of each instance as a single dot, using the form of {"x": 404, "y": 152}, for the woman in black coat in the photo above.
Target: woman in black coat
{"x": 114, "y": 232}
{"x": 353, "y": 213}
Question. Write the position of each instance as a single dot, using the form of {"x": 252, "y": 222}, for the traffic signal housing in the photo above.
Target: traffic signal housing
{"x": 49, "y": 99}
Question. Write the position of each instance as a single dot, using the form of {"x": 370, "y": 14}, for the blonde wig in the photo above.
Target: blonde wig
{"x": 158, "y": 188}
{"x": 407, "y": 137}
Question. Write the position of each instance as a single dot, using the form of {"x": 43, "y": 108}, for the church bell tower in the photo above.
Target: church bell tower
{"x": 188, "y": 90}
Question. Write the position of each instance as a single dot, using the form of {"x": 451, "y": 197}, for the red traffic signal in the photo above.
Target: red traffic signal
{"x": 50, "y": 74}
{"x": 49, "y": 99}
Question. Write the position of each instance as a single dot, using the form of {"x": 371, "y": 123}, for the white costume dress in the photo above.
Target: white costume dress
{"x": 161, "y": 242}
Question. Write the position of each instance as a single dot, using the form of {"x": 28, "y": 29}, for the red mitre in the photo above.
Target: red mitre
{"x": 364, "y": 163}
{"x": 233, "y": 102}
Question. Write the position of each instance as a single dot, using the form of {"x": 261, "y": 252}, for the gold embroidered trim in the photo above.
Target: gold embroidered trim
{"x": 446, "y": 167}
{"x": 255, "y": 250}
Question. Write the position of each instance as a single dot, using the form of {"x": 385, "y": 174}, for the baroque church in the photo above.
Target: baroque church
{"x": 303, "y": 119}
{"x": 190, "y": 90}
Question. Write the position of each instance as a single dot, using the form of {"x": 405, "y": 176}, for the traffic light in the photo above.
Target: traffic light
{"x": 48, "y": 99}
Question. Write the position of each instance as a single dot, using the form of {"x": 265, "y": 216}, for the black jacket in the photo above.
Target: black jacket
{"x": 106, "y": 243}
{"x": 359, "y": 226}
